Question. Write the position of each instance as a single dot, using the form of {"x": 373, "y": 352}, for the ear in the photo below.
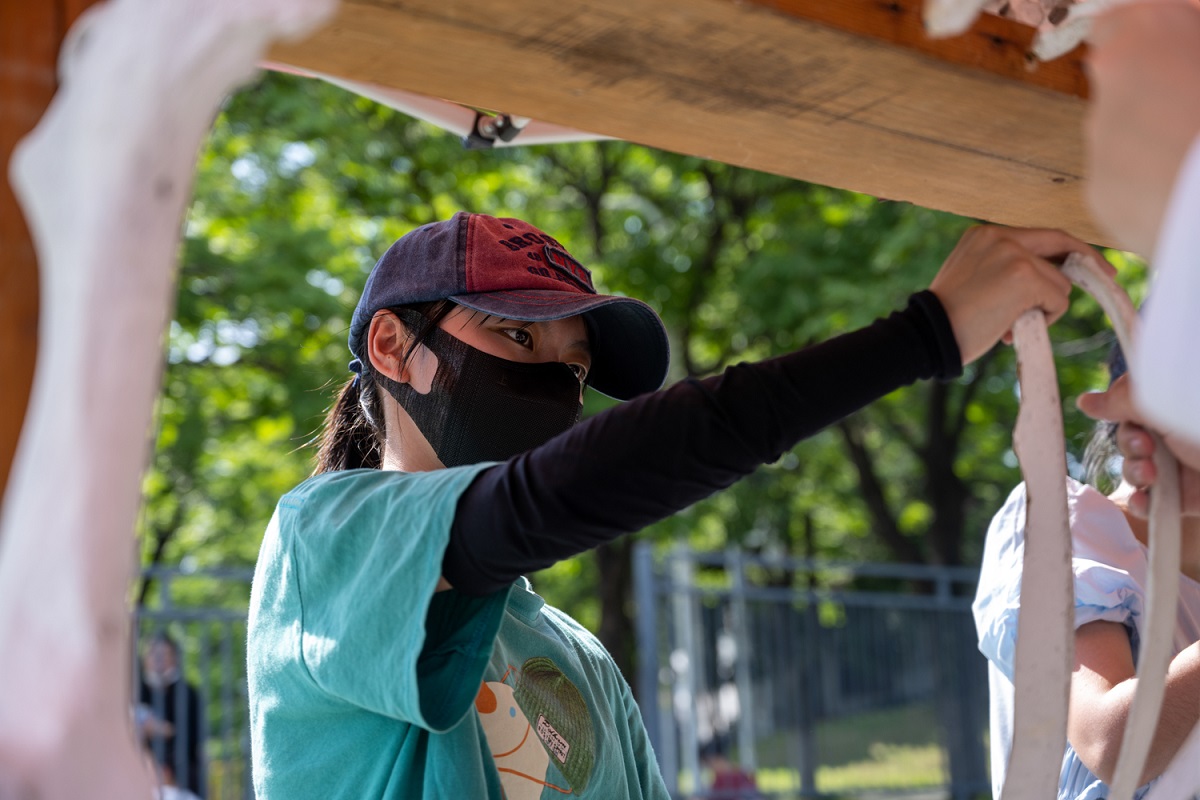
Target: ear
{"x": 387, "y": 340}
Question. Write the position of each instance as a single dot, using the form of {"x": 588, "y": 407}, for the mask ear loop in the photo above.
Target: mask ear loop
{"x": 593, "y": 338}
{"x": 415, "y": 325}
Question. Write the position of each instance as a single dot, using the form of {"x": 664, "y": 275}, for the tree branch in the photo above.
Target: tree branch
{"x": 883, "y": 520}
{"x": 907, "y": 436}
{"x": 162, "y": 537}
{"x": 960, "y": 414}
{"x": 705, "y": 266}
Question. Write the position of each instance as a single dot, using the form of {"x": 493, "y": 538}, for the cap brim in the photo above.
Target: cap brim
{"x": 630, "y": 349}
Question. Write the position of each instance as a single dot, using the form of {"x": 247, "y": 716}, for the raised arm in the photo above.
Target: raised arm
{"x": 645, "y": 460}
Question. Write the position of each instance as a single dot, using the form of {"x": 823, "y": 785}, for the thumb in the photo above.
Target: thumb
{"x": 1114, "y": 405}
{"x": 1095, "y": 405}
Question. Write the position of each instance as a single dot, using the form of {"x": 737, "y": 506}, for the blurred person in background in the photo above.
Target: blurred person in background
{"x": 173, "y": 733}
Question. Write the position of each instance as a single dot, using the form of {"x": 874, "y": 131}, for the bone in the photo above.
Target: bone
{"x": 1045, "y": 640}
{"x": 1056, "y": 39}
{"x": 1162, "y": 590}
{"x": 1062, "y": 24}
{"x": 1039, "y": 731}
{"x": 1087, "y": 273}
{"x": 103, "y": 181}
{"x": 1039, "y": 717}
{"x": 945, "y": 18}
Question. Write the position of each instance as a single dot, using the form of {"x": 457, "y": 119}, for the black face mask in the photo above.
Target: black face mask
{"x": 484, "y": 408}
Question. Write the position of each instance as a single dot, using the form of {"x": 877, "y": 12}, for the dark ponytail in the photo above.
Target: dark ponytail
{"x": 352, "y": 437}
{"x": 354, "y": 430}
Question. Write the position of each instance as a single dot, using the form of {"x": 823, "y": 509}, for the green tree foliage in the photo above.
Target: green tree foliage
{"x": 301, "y": 186}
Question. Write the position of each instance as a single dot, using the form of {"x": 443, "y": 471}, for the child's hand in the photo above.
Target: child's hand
{"x": 996, "y": 274}
{"x": 1137, "y": 448}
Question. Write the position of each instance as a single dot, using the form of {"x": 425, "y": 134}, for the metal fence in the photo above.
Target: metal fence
{"x": 816, "y": 679}
{"x": 202, "y": 617}
{"x": 813, "y": 679}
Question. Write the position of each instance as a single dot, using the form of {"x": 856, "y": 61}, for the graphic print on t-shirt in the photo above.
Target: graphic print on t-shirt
{"x": 543, "y": 719}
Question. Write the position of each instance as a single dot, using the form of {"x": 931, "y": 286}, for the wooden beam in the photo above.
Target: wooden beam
{"x": 875, "y": 110}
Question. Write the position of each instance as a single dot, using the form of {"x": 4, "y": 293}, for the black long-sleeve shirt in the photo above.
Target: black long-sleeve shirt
{"x": 644, "y": 460}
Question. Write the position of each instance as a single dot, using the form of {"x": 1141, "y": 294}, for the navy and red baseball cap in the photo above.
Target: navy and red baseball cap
{"x": 508, "y": 268}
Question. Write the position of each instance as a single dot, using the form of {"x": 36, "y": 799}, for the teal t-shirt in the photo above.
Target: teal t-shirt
{"x": 366, "y": 683}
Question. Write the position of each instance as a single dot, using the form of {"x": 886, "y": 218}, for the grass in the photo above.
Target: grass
{"x": 891, "y": 766}
{"x": 895, "y": 749}
{"x": 226, "y": 778}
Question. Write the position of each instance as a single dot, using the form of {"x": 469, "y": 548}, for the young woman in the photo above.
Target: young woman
{"x": 395, "y": 651}
{"x": 1109, "y": 562}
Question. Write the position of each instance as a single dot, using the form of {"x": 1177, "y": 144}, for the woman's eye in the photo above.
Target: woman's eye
{"x": 520, "y": 336}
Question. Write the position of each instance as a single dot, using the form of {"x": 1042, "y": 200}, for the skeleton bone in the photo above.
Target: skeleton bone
{"x": 1042, "y": 676}
{"x": 1057, "y": 40}
{"x": 1181, "y": 780}
{"x": 1040, "y": 715}
{"x": 104, "y": 180}
{"x": 1162, "y": 589}
{"x": 944, "y": 18}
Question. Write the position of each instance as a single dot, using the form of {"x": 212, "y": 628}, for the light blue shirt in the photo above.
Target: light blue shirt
{"x": 366, "y": 683}
{"x": 1110, "y": 568}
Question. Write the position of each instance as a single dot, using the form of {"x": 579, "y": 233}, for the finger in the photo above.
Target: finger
{"x": 1051, "y": 243}
{"x": 1104, "y": 263}
{"x": 1134, "y": 441}
{"x": 1139, "y": 504}
{"x": 1056, "y": 300}
{"x": 1094, "y": 405}
{"x": 1054, "y": 276}
{"x": 1051, "y": 288}
{"x": 1054, "y": 307}
{"x": 1139, "y": 472}
{"x": 1115, "y": 405}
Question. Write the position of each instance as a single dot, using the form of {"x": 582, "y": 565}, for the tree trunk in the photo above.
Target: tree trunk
{"x": 883, "y": 521}
{"x": 946, "y": 494}
{"x": 614, "y": 562}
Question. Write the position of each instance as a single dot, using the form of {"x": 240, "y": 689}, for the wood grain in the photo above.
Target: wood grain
{"x": 737, "y": 83}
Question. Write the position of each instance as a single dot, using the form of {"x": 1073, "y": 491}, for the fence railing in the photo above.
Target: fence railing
{"x": 815, "y": 679}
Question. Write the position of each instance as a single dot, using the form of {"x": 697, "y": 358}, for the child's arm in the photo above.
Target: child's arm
{"x": 1102, "y": 689}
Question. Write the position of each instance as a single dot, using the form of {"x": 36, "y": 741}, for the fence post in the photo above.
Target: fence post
{"x": 810, "y": 663}
{"x": 741, "y": 675}
{"x": 646, "y": 630}
{"x": 685, "y": 659}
